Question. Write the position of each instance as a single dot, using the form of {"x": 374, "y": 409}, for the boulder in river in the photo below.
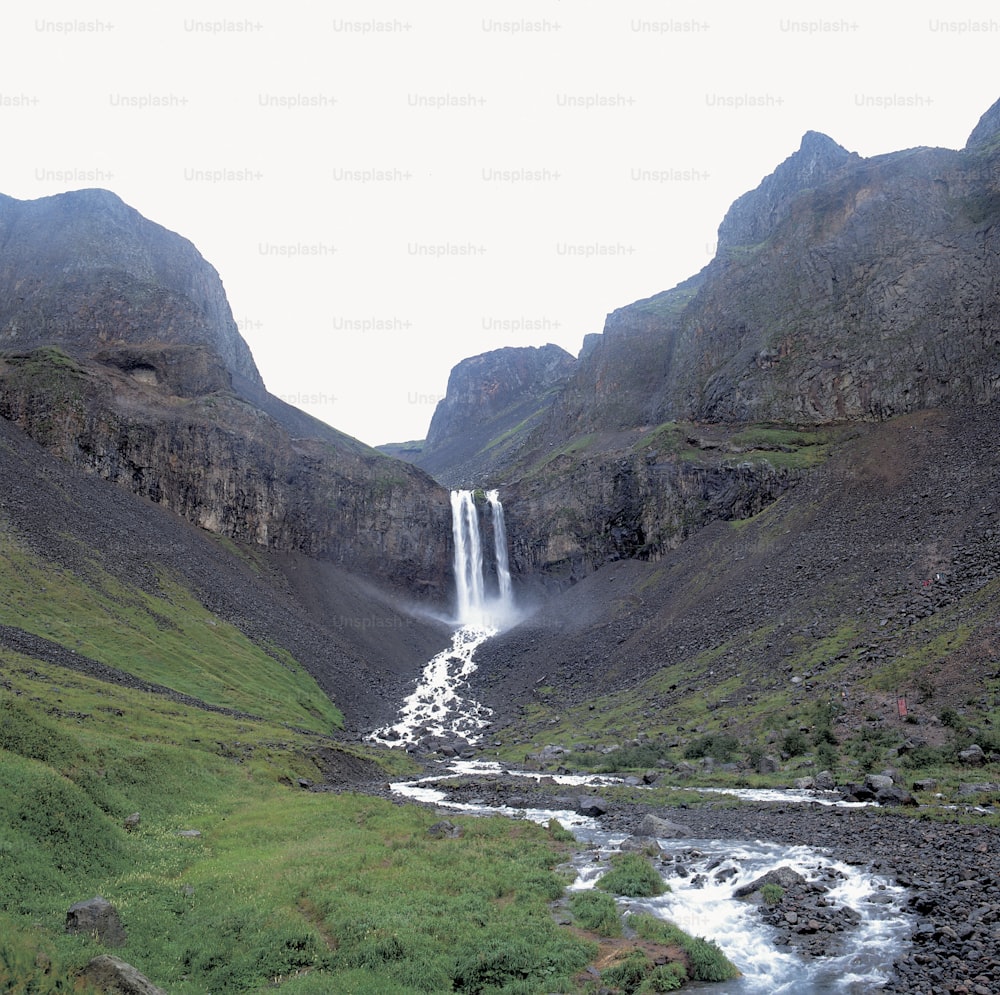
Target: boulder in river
{"x": 784, "y": 876}
{"x": 591, "y": 806}
{"x": 664, "y": 829}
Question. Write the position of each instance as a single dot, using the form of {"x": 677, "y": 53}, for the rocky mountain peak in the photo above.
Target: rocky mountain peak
{"x": 987, "y": 129}
{"x": 752, "y": 217}
{"x": 84, "y": 271}
{"x": 482, "y": 386}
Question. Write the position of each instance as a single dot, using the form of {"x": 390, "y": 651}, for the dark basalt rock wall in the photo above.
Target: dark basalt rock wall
{"x": 119, "y": 353}
{"x": 491, "y": 400}
{"x": 844, "y": 289}
{"x": 86, "y": 271}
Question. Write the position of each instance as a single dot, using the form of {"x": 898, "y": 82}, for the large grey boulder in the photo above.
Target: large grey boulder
{"x": 878, "y": 782}
{"x": 99, "y": 918}
{"x": 662, "y": 829}
{"x": 591, "y": 806}
{"x": 785, "y": 876}
{"x": 973, "y": 756}
{"x": 894, "y": 795}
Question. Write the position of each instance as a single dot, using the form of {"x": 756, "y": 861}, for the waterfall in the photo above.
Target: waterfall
{"x": 500, "y": 541}
{"x": 473, "y": 607}
{"x": 436, "y": 712}
{"x": 468, "y": 561}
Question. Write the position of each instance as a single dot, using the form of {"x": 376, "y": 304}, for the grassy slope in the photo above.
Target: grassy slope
{"x": 167, "y": 638}
{"x": 283, "y": 890}
{"x": 311, "y": 892}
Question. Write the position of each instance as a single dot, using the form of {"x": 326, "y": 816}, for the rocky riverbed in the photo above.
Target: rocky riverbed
{"x": 950, "y": 870}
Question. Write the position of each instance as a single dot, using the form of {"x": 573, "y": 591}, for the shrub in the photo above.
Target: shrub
{"x": 827, "y": 757}
{"x": 632, "y": 876}
{"x": 665, "y": 978}
{"x": 596, "y": 910}
{"x": 719, "y": 745}
{"x": 795, "y": 743}
{"x": 950, "y": 718}
{"x": 628, "y": 973}
{"x": 771, "y": 893}
{"x": 706, "y": 962}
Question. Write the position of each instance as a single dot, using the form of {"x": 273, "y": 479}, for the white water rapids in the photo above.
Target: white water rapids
{"x": 702, "y": 874}
{"x": 436, "y": 709}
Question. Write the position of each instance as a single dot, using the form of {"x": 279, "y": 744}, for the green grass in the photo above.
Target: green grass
{"x": 706, "y": 962}
{"x": 633, "y": 876}
{"x": 596, "y": 910}
{"x": 166, "y": 637}
{"x": 285, "y": 890}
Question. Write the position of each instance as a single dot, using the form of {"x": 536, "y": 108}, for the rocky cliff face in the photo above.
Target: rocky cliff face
{"x": 845, "y": 290}
{"x": 119, "y": 353}
{"x": 86, "y": 271}
{"x": 490, "y": 399}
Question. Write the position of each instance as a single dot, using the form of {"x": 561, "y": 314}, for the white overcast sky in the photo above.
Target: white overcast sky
{"x": 387, "y": 188}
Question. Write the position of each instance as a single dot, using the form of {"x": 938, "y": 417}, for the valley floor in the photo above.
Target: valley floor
{"x": 949, "y": 869}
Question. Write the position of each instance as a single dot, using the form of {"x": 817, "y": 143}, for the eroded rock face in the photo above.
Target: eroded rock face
{"x": 871, "y": 293}
{"x": 229, "y": 467}
{"x": 487, "y": 396}
{"x": 988, "y": 128}
{"x": 86, "y": 271}
{"x": 119, "y": 353}
{"x": 583, "y": 512}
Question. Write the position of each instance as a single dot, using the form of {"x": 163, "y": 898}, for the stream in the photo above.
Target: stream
{"x": 703, "y": 874}
{"x": 839, "y": 933}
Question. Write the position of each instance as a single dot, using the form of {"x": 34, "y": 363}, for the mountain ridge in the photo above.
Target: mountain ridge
{"x": 119, "y": 352}
{"x": 845, "y": 291}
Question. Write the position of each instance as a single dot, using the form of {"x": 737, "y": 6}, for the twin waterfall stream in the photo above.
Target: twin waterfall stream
{"x": 704, "y": 873}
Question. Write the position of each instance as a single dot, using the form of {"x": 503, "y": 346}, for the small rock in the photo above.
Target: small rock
{"x": 132, "y": 822}
{"x": 99, "y": 918}
{"x": 445, "y": 829}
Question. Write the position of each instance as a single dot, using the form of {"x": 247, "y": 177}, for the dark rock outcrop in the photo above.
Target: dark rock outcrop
{"x": 97, "y": 917}
{"x": 987, "y": 130}
{"x": 115, "y": 977}
{"x": 753, "y": 217}
{"x": 784, "y": 877}
{"x": 86, "y": 271}
{"x": 490, "y": 399}
{"x": 846, "y": 289}
{"x": 119, "y": 353}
